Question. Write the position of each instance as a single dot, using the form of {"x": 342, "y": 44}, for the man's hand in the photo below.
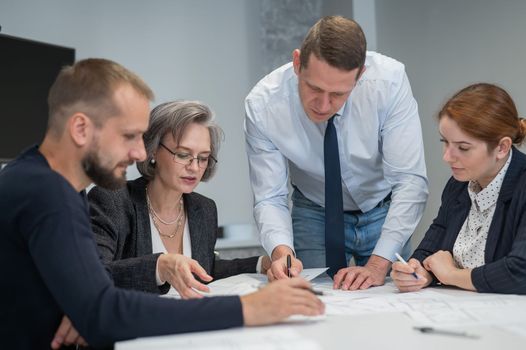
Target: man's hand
{"x": 362, "y": 277}
{"x": 442, "y": 265}
{"x": 177, "y": 270}
{"x": 278, "y": 269}
{"x": 403, "y": 278}
{"x": 279, "y": 300}
{"x": 66, "y": 334}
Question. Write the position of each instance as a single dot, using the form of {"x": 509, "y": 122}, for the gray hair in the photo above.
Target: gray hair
{"x": 174, "y": 117}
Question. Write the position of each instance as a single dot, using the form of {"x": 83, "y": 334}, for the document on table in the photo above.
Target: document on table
{"x": 428, "y": 307}
{"x": 250, "y": 282}
{"x": 250, "y": 339}
{"x": 237, "y": 285}
{"x": 245, "y": 283}
{"x": 310, "y": 274}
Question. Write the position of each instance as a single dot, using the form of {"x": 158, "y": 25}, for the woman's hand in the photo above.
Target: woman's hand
{"x": 178, "y": 270}
{"x": 404, "y": 279}
{"x": 442, "y": 265}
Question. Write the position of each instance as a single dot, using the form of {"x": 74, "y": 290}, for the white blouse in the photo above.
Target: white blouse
{"x": 470, "y": 245}
{"x": 158, "y": 247}
{"x": 157, "y": 243}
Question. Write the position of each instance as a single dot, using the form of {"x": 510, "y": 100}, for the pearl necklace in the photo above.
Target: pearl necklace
{"x": 154, "y": 213}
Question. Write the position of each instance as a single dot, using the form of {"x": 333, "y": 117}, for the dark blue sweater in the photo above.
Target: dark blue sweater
{"x": 49, "y": 266}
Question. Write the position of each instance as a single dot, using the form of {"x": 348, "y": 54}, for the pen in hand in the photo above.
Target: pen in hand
{"x": 405, "y": 263}
{"x": 288, "y": 265}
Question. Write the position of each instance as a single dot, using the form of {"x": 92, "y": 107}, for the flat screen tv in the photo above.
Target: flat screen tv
{"x": 27, "y": 70}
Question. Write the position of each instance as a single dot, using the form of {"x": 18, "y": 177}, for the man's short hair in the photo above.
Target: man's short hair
{"x": 88, "y": 87}
{"x": 337, "y": 40}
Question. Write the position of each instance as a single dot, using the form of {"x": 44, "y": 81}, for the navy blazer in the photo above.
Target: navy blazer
{"x": 504, "y": 270}
{"x": 121, "y": 226}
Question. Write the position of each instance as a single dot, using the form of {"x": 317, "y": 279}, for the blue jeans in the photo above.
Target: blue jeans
{"x": 362, "y": 231}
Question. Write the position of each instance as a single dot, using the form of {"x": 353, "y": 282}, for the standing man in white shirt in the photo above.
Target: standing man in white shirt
{"x": 343, "y": 125}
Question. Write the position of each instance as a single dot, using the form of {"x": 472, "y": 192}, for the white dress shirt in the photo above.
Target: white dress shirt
{"x": 470, "y": 245}
{"x": 380, "y": 146}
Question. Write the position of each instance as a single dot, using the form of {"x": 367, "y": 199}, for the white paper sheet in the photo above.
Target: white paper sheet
{"x": 310, "y": 274}
{"x": 250, "y": 282}
{"x": 427, "y": 307}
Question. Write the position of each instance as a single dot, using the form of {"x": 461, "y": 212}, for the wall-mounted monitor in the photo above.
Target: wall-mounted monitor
{"x": 27, "y": 70}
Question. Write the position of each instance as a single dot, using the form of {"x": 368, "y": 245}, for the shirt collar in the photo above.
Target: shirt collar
{"x": 340, "y": 111}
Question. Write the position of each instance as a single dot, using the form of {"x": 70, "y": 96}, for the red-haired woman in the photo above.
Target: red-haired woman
{"x": 478, "y": 240}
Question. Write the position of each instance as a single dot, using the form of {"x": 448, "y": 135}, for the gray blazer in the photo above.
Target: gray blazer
{"x": 121, "y": 226}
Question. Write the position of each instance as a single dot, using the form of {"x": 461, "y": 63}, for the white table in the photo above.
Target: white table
{"x": 377, "y": 330}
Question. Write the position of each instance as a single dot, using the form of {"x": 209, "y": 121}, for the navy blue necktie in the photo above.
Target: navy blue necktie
{"x": 334, "y": 231}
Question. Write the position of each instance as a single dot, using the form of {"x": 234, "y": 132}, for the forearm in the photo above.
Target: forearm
{"x": 274, "y": 224}
{"x": 379, "y": 264}
{"x": 506, "y": 275}
{"x": 137, "y": 273}
{"x": 460, "y": 278}
{"x": 227, "y": 268}
{"x": 405, "y": 211}
{"x": 280, "y": 251}
{"x": 404, "y": 168}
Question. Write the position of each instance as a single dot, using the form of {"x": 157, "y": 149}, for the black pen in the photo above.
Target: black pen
{"x": 431, "y": 330}
{"x": 288, "y": 265}
{"x": 315, "y": 292}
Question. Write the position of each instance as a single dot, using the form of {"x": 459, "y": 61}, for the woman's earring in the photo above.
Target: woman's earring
{"x": 152, "y": 161}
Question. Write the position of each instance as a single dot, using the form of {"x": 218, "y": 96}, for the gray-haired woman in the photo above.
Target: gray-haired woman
{"x": 156, "y": 231}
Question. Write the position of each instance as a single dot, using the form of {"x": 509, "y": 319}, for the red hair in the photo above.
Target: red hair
{"x": 485, "y": 112}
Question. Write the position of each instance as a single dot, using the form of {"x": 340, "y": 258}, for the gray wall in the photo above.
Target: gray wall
{"x": 213, "y": 51}
{"x": 184, "y": 49}
{"x": 445, "y": 46}
{"x": 209, "y": 50}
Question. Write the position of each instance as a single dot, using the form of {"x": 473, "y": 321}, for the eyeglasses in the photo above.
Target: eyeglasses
{"x": 186, "y": 158}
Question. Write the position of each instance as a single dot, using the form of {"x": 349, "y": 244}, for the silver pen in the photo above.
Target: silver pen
{"x": 431, "y": 330}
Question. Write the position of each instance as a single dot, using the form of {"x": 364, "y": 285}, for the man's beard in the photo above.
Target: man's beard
{"x": 100, "y": 175}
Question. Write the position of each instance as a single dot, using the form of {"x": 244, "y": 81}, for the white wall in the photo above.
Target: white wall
{"x": 447, "y": 45}
{"x": 184, "y": 49}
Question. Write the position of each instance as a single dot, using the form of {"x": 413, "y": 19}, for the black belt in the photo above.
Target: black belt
{"x": 380, "y": 203}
